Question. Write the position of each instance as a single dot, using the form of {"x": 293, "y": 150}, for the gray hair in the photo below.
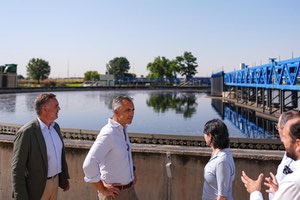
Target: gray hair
{"x": 286, "y": 116}
{"x": 42, "y": 100}
{"x": 117, "y": 101}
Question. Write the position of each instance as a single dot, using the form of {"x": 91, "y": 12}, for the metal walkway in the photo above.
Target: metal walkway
{"x": 281, "y": 75}
{"x": 273, "y": 87}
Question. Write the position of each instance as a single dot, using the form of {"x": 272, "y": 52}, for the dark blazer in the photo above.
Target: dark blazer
{"x": 30, "y": 164}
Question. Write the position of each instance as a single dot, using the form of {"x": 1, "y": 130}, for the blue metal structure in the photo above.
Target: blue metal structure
{"x": 281, "y": 75}
{"x": 246, "y": 120}
{"x": 250, "y": 129}
{"x": 270, "y": 88}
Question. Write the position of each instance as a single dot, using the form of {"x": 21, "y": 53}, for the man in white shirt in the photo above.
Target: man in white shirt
{"x": 285, "y": 165}
{"x": 289, "y": 187}
{"x": 108, "y": 165}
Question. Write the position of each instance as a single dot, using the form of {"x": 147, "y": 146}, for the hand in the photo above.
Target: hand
{"x": 271, "y": 183}
{"x": 221, "y": 197}
{"x": 250, "y": 184}
{"x": 68, "y": 187}
{"x": 110, "y": 190}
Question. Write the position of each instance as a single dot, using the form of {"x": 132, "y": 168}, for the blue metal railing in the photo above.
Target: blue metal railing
{"x": 282, "y": 75}
{"x": 248, "y": 128}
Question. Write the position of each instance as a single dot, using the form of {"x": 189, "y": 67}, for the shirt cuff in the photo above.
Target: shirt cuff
{"x": 93, "y": 179}
{"x": 256, "y": 195}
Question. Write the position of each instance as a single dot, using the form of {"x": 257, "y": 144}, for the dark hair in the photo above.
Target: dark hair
{"x": 42, "y": 100}
{"x": 285, "y": 116}
{"x": 117, "y": 101}
{"x": 219, "y": 133}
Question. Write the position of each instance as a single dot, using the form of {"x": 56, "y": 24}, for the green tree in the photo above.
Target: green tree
{"x": 158, "y": 67}
{"x": 162, "y": 67}
{"x": 187, "y": 64}
{"x": 130, "y": 75}
{"x": 118, "y": 66}
{"x": 174, "y": 68}
{"x": 38, "y": 69}
{"x": 91, "y": 76}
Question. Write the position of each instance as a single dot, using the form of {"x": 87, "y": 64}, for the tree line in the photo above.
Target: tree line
{"x": 161, "y": 67}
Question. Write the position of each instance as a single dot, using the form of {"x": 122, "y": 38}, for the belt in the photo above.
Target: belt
{"x": 124, "y": 187}
{"x": 52, "y": 177}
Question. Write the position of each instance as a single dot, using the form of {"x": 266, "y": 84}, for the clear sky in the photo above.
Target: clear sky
{"x": 75, "y": 36}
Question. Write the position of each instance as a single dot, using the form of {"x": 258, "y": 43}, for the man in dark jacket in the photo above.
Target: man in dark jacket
{"x": 39, "y": 165}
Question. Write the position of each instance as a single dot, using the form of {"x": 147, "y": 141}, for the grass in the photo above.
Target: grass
{"x": 73, "y": 85}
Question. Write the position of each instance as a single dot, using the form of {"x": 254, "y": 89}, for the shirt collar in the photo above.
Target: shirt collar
{"x": 43, "y": 125}
{"x": 220, "y": 153}
{"x": 116, "y": 124}
{"x": 295, "y": 164}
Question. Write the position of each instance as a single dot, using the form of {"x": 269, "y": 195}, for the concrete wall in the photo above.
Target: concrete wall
{"x": 150, "y": 160}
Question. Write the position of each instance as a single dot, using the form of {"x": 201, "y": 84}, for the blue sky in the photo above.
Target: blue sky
{"x": 75, "y": 36}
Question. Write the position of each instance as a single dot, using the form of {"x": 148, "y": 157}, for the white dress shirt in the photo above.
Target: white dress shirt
{"x": 54, "y": 148}
{"x": 289, "y": 188}
{"x": 286, "y": 161}
{"x": 110, "y": 156}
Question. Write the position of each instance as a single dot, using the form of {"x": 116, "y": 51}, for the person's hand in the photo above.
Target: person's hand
{"x": 271, "y": 183}
{"x": 68, "y": 187}
{"x": 221, "y": 197}
{"x": 110, "y": 190}
{"x": 250, "y": 184}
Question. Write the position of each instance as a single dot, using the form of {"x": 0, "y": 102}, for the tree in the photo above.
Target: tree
{"x": 38, "y": 69}
{"x": 130, "y": 75}
{"x": 20, "y": 77}
{"x": 118, "y": 66}
{"x": 158, "y": 67}
{"x": 91, "y": 76}
{"x": 187, "y": 64}
{"x": 174, "y": 68}
{"x": 162, "y": 67}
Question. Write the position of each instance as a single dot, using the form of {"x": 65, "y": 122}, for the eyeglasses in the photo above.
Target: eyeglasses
{"x": 287, "y": 170}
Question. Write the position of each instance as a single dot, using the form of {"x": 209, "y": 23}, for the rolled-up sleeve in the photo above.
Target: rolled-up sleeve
{"x": 96, "y": 155}
{"x": 256, "y": 195}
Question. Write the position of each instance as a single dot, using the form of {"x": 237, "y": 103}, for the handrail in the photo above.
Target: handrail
{"x": 277, "y": 75}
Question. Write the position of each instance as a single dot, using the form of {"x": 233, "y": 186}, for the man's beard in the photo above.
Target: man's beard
{"x": 292, "y": 155}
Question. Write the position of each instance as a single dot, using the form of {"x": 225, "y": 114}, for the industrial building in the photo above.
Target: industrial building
{"x": 8, "y": 76}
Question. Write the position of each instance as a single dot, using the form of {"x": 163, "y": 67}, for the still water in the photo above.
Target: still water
{"x": 156, "y": 112}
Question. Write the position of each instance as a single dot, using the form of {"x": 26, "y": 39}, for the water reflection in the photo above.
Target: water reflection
{"x": 182, "y": 103}
{"x": 8, "y": 103}
{"x": 30, "y": 101}
{"x": 157, "y": 112}
{"x": 245, "y": 120}
{"x": 107, "y": 97}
